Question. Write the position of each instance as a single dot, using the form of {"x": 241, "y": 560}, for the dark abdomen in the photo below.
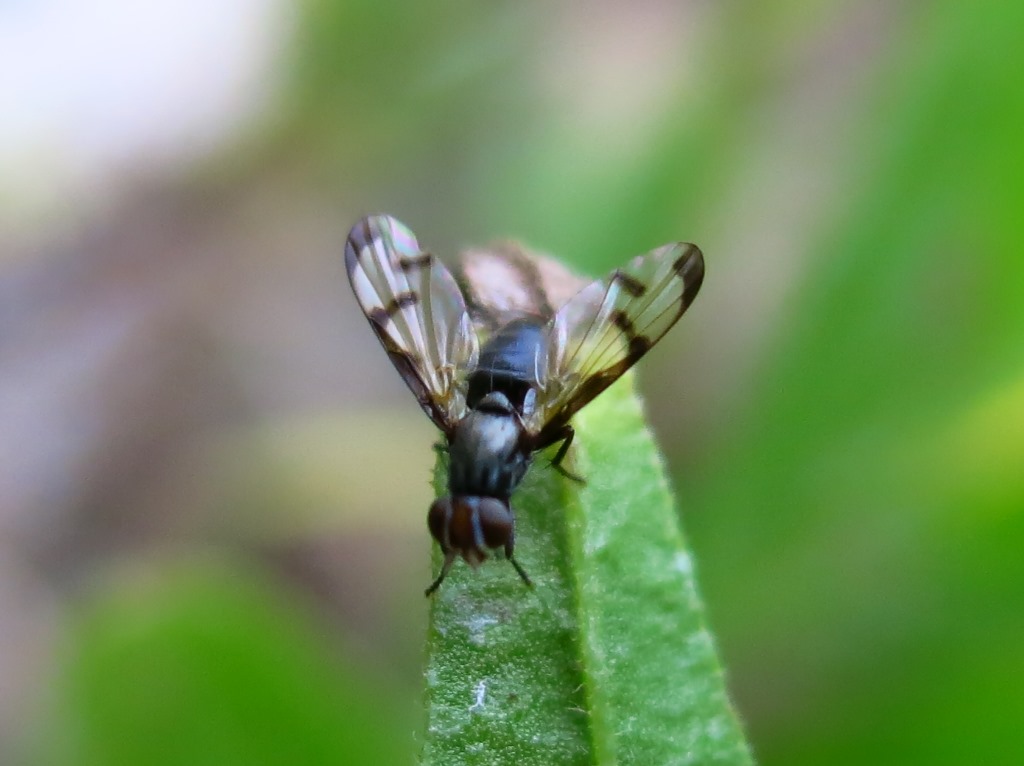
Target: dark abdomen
{"x": 508, "y": 363}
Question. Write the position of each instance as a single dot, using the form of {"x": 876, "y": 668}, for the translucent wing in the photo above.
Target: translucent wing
{"x": 607, "y": 327}
{"x": 417, "y": 312}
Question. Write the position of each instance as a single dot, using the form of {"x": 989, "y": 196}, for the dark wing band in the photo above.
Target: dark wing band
{"x": 417, "y": 312}
{"x": 603, "y": 331}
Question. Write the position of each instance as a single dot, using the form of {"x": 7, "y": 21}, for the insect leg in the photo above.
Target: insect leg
{"x": 566, "y": 435}
{"x": 449, "y": 559}
{"x": 510, "y": 545}
{"x": 522, "y": 572}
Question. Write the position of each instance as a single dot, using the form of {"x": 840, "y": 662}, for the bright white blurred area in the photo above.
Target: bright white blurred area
{"x": 94, "y": 92}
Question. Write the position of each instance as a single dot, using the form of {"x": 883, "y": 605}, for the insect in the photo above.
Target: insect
{"x": 501, "y": 391}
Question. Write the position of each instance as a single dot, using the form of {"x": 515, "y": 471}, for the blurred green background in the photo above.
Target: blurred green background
{"x": 213, "y": 486}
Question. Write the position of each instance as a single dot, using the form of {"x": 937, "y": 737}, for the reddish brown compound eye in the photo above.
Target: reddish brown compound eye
{"x": 496, "y": 522}
{"x": 438, "y": 519}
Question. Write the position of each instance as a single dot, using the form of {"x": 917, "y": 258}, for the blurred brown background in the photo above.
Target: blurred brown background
{"x": 213, "y": 486}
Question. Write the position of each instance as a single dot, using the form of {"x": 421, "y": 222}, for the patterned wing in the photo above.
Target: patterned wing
{"x": 608, "y": 326}
{"x": 417, "y": 312}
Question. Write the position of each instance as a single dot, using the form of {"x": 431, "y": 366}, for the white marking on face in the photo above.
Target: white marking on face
{"x": 478, "y": 532}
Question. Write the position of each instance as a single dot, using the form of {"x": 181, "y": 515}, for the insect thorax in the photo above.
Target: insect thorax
{"x": 486, "y": 456}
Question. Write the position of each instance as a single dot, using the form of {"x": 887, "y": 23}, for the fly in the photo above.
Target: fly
{"x": 503, "y": 382}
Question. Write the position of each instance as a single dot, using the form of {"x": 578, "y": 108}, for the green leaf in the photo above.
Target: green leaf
{"x": 213, "y": 664}
{"x": 607, "y": 660}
